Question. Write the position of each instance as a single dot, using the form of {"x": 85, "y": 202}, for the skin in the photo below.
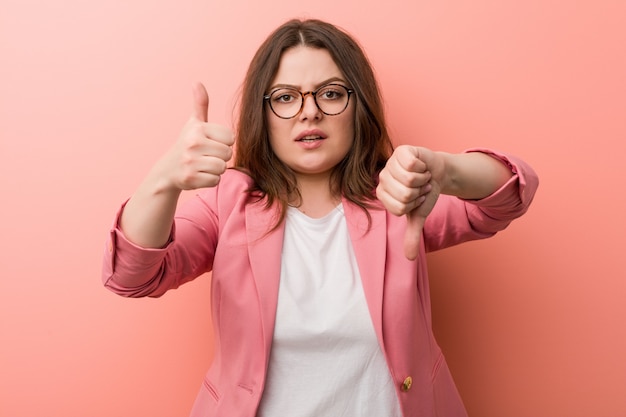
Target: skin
{"x": 196, "y": 160}
{"x": 410, "y": 183}
{"x": 306, "y": 69}
{"x": 414, "y": 177}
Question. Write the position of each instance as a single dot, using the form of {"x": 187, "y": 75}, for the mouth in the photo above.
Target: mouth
{"x": 309, "y": 139}
{"x": 311, "y": 136}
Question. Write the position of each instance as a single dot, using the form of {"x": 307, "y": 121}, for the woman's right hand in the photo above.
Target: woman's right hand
{"x": 196, "y": 160}
{"x": 200, "y": 155}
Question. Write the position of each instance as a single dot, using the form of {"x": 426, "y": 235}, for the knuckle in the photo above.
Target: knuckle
{"x": 397, "y": 209}
{"x": 406, "y": 195}
{"x": 409, "y": 178}
{"x": 222, "y": 166}
{"x": 187, "y": 179}
{"x": 392, "y": 206}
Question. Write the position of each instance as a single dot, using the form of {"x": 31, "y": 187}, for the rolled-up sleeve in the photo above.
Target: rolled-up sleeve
{"x": 138, "y": 266}
{"x": 133, "y": 271}
{"x": 130, "y": 270}
{"x": 454, "y": 220}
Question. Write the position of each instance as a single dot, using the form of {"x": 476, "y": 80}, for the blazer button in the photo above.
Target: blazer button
{"x": 406, "y": 385}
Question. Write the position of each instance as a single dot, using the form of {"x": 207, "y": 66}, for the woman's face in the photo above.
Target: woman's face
{"x": 311, "y": 143}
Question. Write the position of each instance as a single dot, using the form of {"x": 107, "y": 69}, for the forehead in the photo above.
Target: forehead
{"x": 306, "y": 67}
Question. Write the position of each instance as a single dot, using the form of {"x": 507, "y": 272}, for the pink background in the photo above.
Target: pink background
{"x": 91, "y": 93}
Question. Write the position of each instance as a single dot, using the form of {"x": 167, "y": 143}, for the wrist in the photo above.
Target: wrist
{"x": 448, "y": 178}
{"x": 159, "y": 183}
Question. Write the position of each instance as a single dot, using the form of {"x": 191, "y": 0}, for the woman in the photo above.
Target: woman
{"x": 320, "y": 294}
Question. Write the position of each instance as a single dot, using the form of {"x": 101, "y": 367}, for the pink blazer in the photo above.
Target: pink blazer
{"x": 225, "y": 231}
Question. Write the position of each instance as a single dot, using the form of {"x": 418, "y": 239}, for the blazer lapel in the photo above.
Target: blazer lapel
{"x": 370, "y": 251}
{"x": 264, "y": 250}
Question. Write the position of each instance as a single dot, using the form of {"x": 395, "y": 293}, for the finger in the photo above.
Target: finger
{"x": 216, "y": 149}
{"x": 429, "y": 201}
{"x": 213, "y": 165}
{"x": 413, "y": 160}
{"x": 410, "y": 172}
{"x": 201, "y": 180}
{"x": 413, "y": 234}
{"x": 416, "y": 219}
{"x": 204, "y": 172}
{"x": 200, "y": 102}
{"x": 219, "y": 133}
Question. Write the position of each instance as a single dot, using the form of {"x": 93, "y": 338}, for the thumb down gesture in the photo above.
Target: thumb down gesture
{"x": 410, "y": 185}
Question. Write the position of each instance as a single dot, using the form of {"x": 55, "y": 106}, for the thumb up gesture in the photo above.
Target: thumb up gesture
{"x": 410, "y": 185}
{"x": 199, "y": 157}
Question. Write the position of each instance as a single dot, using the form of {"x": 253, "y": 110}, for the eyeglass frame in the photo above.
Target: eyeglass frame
{"x": 313, "y": 93}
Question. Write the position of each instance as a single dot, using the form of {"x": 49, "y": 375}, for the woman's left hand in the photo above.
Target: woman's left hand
{"x": 410, "y": 184}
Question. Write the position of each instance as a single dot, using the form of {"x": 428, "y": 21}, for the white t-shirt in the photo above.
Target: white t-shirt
{"x": 325, "y": 359}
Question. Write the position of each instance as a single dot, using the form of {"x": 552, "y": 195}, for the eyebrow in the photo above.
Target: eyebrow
{"x": 328, "y": 81}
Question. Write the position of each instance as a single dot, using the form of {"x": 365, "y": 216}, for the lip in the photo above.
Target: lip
{"x": 312, "y": 132}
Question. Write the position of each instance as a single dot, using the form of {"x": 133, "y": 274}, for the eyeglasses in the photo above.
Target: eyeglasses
{"x": 288, "y": 102}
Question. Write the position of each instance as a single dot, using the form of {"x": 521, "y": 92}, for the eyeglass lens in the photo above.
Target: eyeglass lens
{"x": 331, "y": 99}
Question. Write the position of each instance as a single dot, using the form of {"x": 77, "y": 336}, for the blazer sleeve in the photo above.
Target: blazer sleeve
{"x": 134, "y": 271}
{"x": 454, "y": 220}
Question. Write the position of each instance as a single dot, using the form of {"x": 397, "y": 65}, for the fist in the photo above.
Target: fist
{"x": 202, "y": 151}
{"x": 409, "y": 185}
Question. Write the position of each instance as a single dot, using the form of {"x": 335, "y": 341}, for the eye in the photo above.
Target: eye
{"x": 331, "y": 92}
{"x": 284, "y": 96}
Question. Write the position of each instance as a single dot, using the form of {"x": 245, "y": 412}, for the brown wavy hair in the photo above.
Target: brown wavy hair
{"x": 355, "y": 177}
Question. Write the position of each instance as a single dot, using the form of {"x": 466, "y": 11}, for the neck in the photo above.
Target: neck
{"x": 317, "y": 200}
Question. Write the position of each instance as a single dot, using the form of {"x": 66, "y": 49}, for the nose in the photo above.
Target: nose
{"x": 309, "y": 107}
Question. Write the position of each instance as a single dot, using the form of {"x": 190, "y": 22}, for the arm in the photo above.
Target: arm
{"x": 142, "y": 257}
{"x": 472, "y": 176}
{"x": 414, "y": 178}
{"x": 456, "y": 220}
{"x": 196, "y": 160}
